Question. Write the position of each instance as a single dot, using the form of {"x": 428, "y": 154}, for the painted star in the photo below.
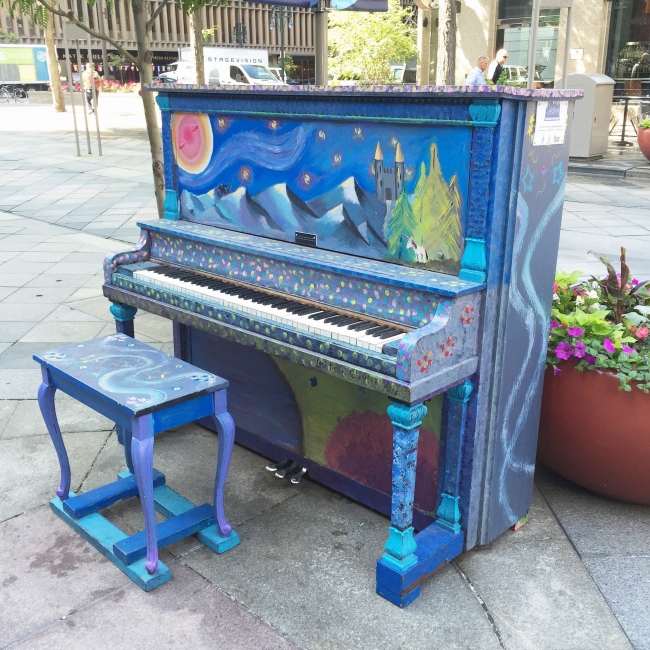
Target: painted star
{"x": 558, "y": 174}
{"x": 527, "y": 180}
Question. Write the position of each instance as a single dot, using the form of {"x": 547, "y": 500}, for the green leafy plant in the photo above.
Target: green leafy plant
{"x": 364, "y": 45}
{"x": 504, "y": 80}
{"x": 8, "y": 37}
{"x": 602, "y": 324}
{"x": 644, "y": 124}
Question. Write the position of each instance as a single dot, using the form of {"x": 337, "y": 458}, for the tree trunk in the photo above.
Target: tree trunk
{"x": 145, "y": 56}
{"x": 58, "y": 99}
{"x": 446, "y": 64}
{"x": 196, "y": 43}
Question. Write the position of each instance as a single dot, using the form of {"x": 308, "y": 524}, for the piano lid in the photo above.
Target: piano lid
{"x": 395, "y": 192}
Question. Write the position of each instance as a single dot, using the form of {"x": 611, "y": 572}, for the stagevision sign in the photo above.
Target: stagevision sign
{"x": 23, "y": 64}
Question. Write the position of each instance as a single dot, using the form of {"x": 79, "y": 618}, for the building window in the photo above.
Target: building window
{"x": 628, "y": 55}
{"x": 513, "y": 34}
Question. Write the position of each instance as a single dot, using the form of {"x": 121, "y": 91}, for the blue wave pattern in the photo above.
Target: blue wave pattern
{"x": 534, "y": 314}
{"x": 130, "y": 373}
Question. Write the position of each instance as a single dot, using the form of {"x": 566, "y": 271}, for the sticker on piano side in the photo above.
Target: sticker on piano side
{"x": 550, "y": 123}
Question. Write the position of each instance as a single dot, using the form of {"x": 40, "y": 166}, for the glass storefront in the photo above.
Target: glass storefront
{"x": 513, "y": 34}
{"x": 628, "y": 53}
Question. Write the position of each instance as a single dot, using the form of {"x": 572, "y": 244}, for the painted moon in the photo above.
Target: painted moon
{"x": 192, "y": 138}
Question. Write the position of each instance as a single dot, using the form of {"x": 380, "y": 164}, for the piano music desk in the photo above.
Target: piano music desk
{"x": 145, "y": 392}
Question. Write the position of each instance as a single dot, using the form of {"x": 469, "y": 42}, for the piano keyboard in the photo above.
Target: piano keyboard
{"x": 310, "y": 318}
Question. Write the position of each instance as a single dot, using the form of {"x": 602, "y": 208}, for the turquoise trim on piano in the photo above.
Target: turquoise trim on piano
{"x": 473, "y": 262}
{"x": 171, "y": 205}
{"x": 373, "y": 271}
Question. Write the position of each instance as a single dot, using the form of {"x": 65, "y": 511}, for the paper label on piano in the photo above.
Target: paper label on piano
{"x": 550, "y": 123}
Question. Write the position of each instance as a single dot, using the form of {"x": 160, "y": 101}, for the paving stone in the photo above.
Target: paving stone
{"x": 31, "y": 470}
{"x": 10, "y": 332}
{"x": 55, "y": 331}
{"x": 18, "y": 312}
{"x": 97, "y": 607}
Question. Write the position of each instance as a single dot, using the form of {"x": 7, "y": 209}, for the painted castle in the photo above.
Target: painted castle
{"x": 389, "y": 181}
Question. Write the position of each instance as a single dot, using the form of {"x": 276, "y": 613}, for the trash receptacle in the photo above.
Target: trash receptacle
{"x": 592, "y": 114}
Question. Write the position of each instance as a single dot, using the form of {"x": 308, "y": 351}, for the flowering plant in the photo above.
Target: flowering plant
{"x": 602, "y": 323}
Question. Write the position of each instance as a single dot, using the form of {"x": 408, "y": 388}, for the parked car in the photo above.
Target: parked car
{"x": 164, "y": 79}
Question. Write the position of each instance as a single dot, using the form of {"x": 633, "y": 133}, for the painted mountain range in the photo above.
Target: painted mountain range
{"x": 347, "y": 218}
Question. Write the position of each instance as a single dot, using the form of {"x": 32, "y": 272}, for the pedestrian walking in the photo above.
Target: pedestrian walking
{"x": 476, "y": 77}
{"x": 91, "y": 73}
{"x": 496, "y": 67}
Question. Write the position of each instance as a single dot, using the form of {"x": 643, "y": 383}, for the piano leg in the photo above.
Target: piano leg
{"x": 400, "y": 547}
{"x": 123, "y": 315}
{"x": 410, "y": 558}
{"x": 451, "y": 451}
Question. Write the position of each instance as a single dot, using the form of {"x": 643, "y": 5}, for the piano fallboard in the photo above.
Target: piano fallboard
{"x": 393, "y": 292}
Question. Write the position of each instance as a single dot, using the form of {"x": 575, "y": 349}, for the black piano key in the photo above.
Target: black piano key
{"x": 304, "y": 309}
{"x": 382, "y": 330}
{"x": 312, "y": 310}
{"x": 297, "y": 309}
{"x": 354, "y": 323}
{"x": 363, "y": 326}
{"x": 323, "y": 314}
{"x": 217, "y": 284}
{"x": 285, "y": 304}
{"x": 333, "y": 320}
{"x": 245, "y": 293}
{"x": 372, "y": 330}
{"x": 391, "y": 332}
{"x": 345, "y": 321}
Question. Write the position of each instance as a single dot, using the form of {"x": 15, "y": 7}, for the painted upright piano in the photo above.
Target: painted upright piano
{"x": 372, "y": 271}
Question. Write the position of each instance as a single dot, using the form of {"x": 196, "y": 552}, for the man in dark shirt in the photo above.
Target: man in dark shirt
{"x": 496, "y": 67}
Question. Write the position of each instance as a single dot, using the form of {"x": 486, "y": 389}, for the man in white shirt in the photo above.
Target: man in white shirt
{"x": 476, "y": 77}
{"x": 496, "y": 67}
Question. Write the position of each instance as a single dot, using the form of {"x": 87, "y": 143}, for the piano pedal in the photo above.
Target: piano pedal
{"x": 283, "y": 464}
{"x": 298, "y": 474}
{"x": 281, "y": 473}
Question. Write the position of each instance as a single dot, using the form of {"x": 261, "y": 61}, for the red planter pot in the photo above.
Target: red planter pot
{"x": 596, "y": 435}
{"x": 643, "y": 138}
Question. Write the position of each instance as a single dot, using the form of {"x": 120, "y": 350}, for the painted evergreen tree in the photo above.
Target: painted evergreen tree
{"x": 401, "y": 227}
{"x": 449, "y": 227}
{"x": 436, "y": 206}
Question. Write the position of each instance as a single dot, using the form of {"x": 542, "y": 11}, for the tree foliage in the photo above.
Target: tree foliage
{"x": 363, "y": 45}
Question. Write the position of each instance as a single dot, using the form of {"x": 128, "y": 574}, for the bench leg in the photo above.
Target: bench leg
{"x": 46, "y": 393}
{"x": 124, "y": 438}
{"x": 226, "y": 430}
{"x": 142, "y": 457}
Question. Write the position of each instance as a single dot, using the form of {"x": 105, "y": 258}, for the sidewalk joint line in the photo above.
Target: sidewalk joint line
{"x": 92, "y": 465}
{"x": 482, "y": 603}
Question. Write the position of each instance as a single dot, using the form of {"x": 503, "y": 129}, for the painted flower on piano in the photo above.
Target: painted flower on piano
{"x": 446, "y": 347}
{"x": 468, "y": 315}
{"x": 425, "y": 362}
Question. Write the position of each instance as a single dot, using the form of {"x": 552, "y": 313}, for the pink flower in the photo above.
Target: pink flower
{"x": 590, "y": 359}
{"x": 627, "y": 349}
{"x": 608, "y": 345}
{"x": 563, "y": 350}
{"x": 556, "y": 370}
{"x": 579, "y": 350}
{"x": 575, "y": 331}
{"x": 641, "y": 332}
{"x": 553, "y": 324}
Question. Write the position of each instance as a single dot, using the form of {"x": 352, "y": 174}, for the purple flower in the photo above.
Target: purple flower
{"x": 553, "y": 324}
{"x": 575, "y": 331}
{"x": 563, "y": 351}
{"x": 608, "y": 345}
{"x": 579, "y": 350}
{"x": 627, "y": 349}
{"x": 590, "y": 359}
{"x": 556, "y": 370}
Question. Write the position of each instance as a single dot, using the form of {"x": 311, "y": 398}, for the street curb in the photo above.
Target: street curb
{"x": 609, "y": 171}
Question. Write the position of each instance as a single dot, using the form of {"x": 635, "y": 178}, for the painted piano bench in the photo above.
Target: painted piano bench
{"x": 144, "y": 391}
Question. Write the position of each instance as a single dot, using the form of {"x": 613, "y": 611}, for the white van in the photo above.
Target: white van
{"x": 227, "y": 66}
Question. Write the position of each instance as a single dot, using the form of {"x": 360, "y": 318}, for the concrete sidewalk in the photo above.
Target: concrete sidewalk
{"x": 303, "y": 575}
